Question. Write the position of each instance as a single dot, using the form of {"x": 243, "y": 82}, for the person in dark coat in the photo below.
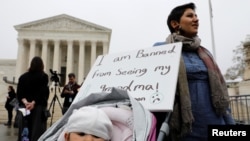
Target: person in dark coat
{"x": 69, "y": 92}
{"x": 33, "y": 94}
{"x": 11, "y": 95}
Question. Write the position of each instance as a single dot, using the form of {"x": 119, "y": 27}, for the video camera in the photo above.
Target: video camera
{"x": 54, "y": 76}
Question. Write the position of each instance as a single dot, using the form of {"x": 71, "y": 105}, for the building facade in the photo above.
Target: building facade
{"x": 241, "y": 86}
{"x": 244, "y": 86}
{"x": 66, "y": 44}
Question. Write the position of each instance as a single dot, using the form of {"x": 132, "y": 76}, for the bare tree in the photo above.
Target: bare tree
{"x": 237, "y": 69}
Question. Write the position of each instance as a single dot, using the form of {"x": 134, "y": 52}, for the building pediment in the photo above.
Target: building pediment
{"x": 62, "y": 23}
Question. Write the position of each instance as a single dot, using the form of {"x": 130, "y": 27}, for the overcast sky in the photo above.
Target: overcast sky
{"x": 135, "y": 23}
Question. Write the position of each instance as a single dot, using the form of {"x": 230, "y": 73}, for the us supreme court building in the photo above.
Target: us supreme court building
{"x": 65, "y": 43}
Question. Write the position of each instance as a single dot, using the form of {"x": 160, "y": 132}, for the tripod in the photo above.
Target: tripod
{"x": 52, "y": 104}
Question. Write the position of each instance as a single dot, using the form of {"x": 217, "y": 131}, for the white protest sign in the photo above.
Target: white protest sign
{"x": 149, "y": 75}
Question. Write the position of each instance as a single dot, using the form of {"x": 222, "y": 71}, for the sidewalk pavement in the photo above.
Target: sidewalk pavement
{"x": 8, "y": 133}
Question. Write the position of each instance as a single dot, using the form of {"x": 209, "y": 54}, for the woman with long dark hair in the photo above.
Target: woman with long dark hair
{"x": 33, "y": 93}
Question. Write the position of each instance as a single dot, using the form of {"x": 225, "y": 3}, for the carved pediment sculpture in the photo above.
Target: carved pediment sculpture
{"x": 62, "y": 22}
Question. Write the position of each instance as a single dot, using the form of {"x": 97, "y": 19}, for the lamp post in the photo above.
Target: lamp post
{"x": 212, "y": 28}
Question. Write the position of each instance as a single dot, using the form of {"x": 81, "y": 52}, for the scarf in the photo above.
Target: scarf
{"x": 182, "y": 118}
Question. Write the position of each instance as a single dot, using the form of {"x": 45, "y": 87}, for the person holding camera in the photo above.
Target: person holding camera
{"x": 69, "y": 92}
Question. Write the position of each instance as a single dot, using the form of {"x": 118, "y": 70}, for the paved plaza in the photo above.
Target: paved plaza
{"x": 8, "y": 133}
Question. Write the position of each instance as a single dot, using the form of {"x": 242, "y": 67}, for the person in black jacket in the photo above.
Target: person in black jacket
{"x": 11, "y": 95}
{"x": 33, "y": 94}
{"x": 69, "y": 92}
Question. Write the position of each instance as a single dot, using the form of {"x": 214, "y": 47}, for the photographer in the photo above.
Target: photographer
{"x": 69, "y": 92}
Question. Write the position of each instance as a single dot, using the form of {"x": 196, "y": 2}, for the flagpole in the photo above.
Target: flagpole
{"x": 212, "y": 28}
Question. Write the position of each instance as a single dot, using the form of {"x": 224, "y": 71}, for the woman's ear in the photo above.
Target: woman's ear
{"x": 175, "y": 25}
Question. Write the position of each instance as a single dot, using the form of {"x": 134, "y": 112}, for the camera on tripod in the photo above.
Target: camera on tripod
{"x": 55, "y": 79}
{"x": 54, "y": 76}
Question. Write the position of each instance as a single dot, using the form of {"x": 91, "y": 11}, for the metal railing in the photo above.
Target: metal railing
{"x": 240, "y": 108}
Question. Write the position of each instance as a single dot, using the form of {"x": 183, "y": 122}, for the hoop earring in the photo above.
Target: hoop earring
{"x": 178, "y": 30}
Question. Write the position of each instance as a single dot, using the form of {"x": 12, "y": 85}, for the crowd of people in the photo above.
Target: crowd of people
{"x": 32, "y": 96}
{"x": 201, "y": 96}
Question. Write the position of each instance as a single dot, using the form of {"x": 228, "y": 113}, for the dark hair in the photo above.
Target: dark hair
{"x": 71, "y": 75}
{"x": 176, "y": 14}
{"x": 36, "y": 64}
{"x": 12, "y": 89}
